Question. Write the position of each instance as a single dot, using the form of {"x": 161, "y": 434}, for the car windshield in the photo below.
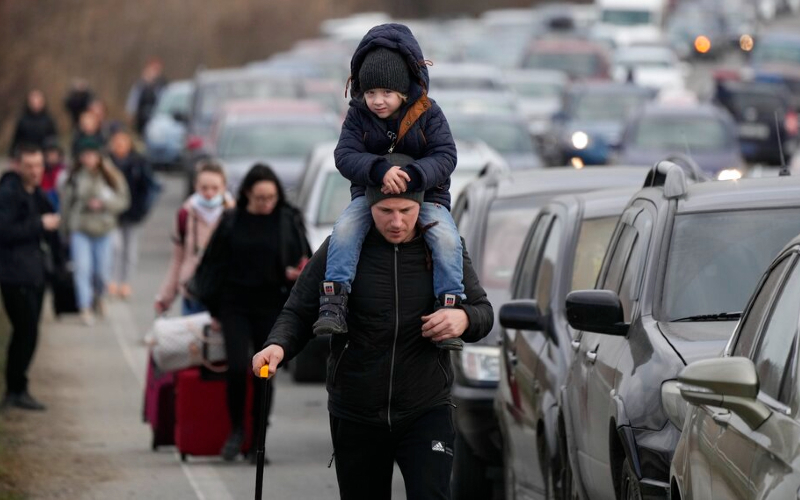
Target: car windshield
{"x": 174, "y": 101}
{"x": 215, "y": 95}
{"x": 625, "y": 17}
{"x": 607, "y": 106}
{"x": 575, "y": 64}
{"x": 334, "y": 198}
{"x": 470, "y": 104}
{"x": 647, "y": 59}
{"x": 742, "y": 101}
{"x": 716, "y": 259}
{"x": 537, "y": 90}
{"x": 680, "y": 133}
{"x": 461, "y": 83}
{"x": 506, "y": 228}
{"x": 278, "y": 139}
{"x": 505, "y": 137}
{"x": 774, "y": 52}
{"x": 590, "y": 250}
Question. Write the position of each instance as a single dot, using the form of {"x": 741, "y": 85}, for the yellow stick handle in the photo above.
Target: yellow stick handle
{"x": 264, "y": 372}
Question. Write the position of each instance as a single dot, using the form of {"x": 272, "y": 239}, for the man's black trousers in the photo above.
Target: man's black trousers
{"x": 423, "y": 449}
{"x": 23, "y": 304}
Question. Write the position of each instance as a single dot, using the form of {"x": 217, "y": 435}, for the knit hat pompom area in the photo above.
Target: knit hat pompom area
{"x": 384, "y": 69}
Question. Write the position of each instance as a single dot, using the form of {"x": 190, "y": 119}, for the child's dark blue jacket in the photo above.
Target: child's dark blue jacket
{"x": 421, "y": 131}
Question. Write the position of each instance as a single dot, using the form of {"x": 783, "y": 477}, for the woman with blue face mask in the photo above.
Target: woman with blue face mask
{"x": 196, "y": 221}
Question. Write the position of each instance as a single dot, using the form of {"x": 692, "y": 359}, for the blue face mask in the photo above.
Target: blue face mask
{"x": 212, "y": 203}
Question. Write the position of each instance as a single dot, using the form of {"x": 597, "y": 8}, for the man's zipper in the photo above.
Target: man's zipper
{"x": 396, "y": 328}
{"x": 339, "y": 360}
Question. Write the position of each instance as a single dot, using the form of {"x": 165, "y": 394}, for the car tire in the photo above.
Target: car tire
{"x": 629, "y": 483}
{"x": 469, "y": 481}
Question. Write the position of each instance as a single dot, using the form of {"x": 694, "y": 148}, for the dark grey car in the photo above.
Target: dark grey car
{"x": 493, "y": 215}
{"x": 680, "y": 267}
{"x": 562, "y": 252}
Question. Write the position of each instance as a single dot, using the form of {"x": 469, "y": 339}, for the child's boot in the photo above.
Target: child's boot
{"x": 332, "y": 309}
{"x": 451, "y": 301}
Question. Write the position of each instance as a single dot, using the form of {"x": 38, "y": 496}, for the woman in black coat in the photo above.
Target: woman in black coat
{"x": 251, "y": 262}
{"x": 35, "y": 125}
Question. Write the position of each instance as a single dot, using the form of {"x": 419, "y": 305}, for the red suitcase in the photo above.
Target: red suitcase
{"x": 159, "y": 405}
{"x": 201, "y": 414}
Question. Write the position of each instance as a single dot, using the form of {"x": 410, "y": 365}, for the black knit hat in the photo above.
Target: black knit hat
{"x": 88, "y": 143}
{"x": 374, "y": 195}
{"x": 384, "y": 69}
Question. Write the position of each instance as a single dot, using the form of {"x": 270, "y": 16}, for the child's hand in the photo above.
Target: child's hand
{"x": 395, "y": 181}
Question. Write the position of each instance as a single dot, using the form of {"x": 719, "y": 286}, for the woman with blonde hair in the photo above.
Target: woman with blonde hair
{"x": 195, "y": 222}
{"x": 91, "y": 200}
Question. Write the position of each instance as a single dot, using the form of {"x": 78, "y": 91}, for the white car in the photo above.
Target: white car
{"x": 653, "y": 66}
{"x": 465, "y": 76}
{"x": 540, "y": 93}
{"x": 324, "y": 193}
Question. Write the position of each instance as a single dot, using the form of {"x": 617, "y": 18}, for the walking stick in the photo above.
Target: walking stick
{"x": 262, "y": 431}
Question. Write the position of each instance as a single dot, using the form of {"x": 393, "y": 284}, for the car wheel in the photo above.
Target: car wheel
{"x": 469, "y": 473}
{"x": 629, "y": 483}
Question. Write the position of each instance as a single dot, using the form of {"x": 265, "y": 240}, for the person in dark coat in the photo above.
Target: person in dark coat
{"x": 77, "y": 100}
{"x": 398, "y": 139}
{"x": 388, "y": 385}
{"x": 144, "y": 94}
{"x": 139, "y": 176}
{"x": 88, "y": 130}
{"x": 35, "y": 126}
{"x": 25, "y": 218}
{"x": 256, "y": 253}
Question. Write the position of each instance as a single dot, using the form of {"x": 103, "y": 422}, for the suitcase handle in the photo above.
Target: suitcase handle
{"x": 264, "y": 373}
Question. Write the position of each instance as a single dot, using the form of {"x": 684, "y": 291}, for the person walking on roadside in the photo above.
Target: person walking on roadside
{"x": 26, "y": 216}
{"x": 92, "y": 197}
{"x": 77, "y": 100}
{"x": 35, "y": 125}
{"x": 144, "y": 94}
{"x": 55, "y": 170}
{"x": 195, "y": 222}
{"x": 88, "y": 131}
{"x": 256, "y": 253}
{"x": 141, "y": 181}
{"x": 388, "y": 384}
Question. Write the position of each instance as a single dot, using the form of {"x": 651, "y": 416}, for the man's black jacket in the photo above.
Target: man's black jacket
{"x": 383, "y": 371}
{"x": 22, "y": 259}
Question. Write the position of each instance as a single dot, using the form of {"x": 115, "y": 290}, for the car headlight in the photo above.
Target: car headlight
{"x": 673, "y": 404}
{"x": 729, "y": 174}
{"x": 481, "y": 363}
{"x": 580, "y": 140}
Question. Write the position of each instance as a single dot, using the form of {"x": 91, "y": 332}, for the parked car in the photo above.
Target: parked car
{"x": 323, "y": 192}
{"x": 578, "y": 58}
{"x": 477, "y": 101}
{"x": 764, "y": 114}
{"x": 697, "y": 31}
{"x": 506, "y": 134}
{"x": 652, "y": 66}
{"x": 741, "y": 432}
{"x": 540, "y": 94}
{"x": 562, "y": 252}
{"x": 705, "y": 132}
{"x": 679, "y": 270}
{"x": 465, "y": 76}
{"x": 278, "y": 133}
{"x": 165, "y": 133}
{"x": 590, "y": 124}
{"x": 493, "y": 215}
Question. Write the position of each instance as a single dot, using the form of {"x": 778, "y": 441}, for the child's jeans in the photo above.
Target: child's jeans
{"x": 443, "y": 239}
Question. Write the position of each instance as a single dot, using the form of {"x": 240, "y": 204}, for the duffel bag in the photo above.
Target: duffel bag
{"x": 185, "y": 341}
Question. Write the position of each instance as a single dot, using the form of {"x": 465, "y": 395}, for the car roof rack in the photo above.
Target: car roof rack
{"x": 668, "y": 175}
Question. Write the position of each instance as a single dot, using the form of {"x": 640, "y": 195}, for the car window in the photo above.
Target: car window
{"x": 707, "y": 247}
{"x": 607, "y": 106}
{"x": 334, "y": 198}
{"x": 681, "y": 133}
{"x": 619, "y": 259}
{"x": 547, "y": 266}
{"x": 590, "y": 250}
{"x": 273, "y": 139}
{"x": 778, "y": 341}
{"x": 748, "y": 331}
{"x": 507, "y": 137}
{"x": 575, "y": 64}
{"x": 525, "y": 280}
{"x": 506, "y": 227}
{"x": 630, "y": 278}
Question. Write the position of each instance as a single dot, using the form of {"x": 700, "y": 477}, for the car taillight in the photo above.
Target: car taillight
{"x": 194, "y": 142}
{"x": 790, "y": 123}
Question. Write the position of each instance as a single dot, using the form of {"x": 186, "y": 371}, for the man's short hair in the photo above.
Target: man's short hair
{"x": 26, "y": 149}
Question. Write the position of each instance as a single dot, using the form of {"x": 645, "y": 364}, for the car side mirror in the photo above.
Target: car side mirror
{"x": 730, "y": 383}
{"x": 597, "y": 311}
{"x": 522, "y": 315}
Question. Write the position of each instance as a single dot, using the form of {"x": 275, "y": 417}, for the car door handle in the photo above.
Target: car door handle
{"x": 576, "y": 344}
{"x": 591, "y": 356}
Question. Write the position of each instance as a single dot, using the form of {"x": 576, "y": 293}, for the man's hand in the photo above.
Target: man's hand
{"x": 395, "y": 181}
{"x": 272, "y": 356}
{"x": 50, "y": 222}
{"x": 216, "y": 325}
{"x": 160, "y": 307}
{"x": 445, "y": 324}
